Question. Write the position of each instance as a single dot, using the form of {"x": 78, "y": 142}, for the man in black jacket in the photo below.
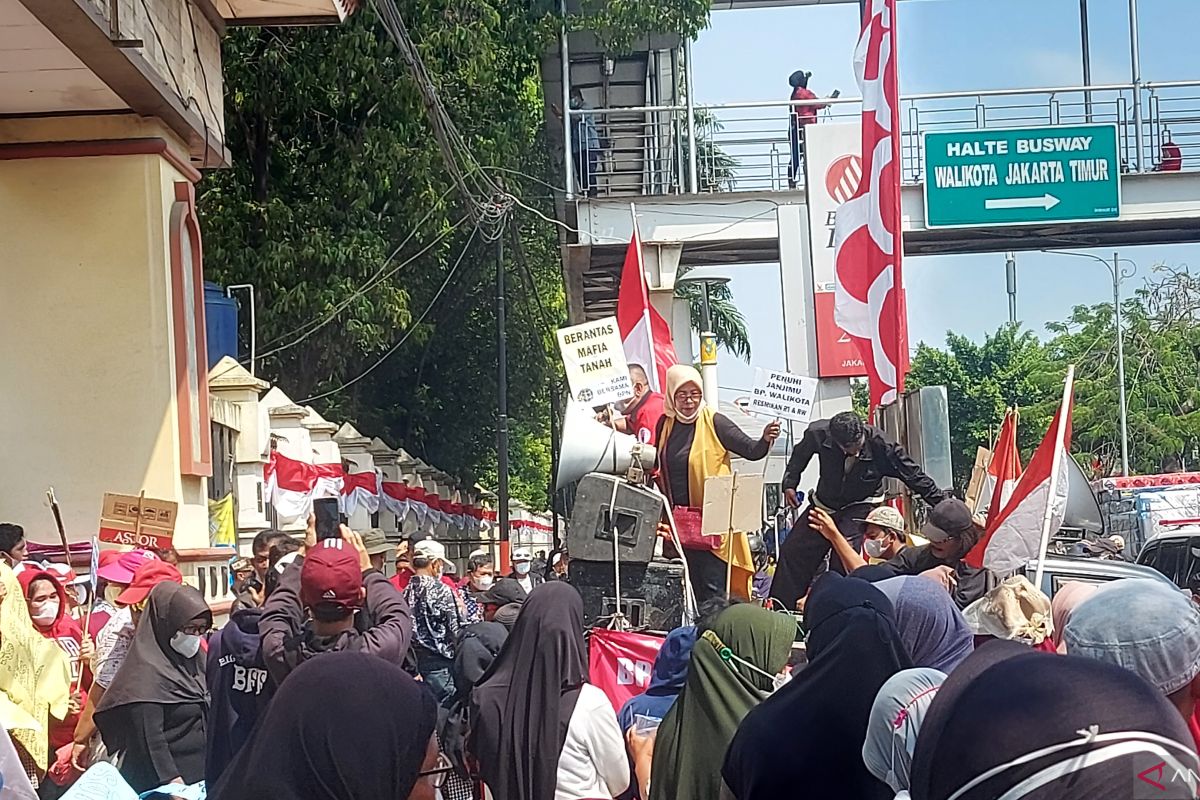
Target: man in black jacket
{"x": 854, "y": 459}
{"x": 314, "y": 608}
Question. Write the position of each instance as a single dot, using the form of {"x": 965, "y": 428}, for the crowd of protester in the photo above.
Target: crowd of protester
{"x": 332, "y": 681}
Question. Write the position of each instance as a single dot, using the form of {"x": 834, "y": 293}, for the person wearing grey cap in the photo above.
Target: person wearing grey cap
{"x": 377, "y": 546}
{"x": 952, "y": 532}
{"x": 1148, "y": 628}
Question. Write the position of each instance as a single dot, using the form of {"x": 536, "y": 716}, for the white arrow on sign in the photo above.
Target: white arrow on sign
{"x": 1046, "y": 201}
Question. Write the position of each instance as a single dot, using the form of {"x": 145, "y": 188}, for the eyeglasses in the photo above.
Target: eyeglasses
{"x": 437, "y": 775}
{"x": 682, "y": 397}
{"x": 195, "y": 630}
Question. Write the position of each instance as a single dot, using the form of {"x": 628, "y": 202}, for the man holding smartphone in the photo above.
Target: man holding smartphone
{"x": 319, "y": 600}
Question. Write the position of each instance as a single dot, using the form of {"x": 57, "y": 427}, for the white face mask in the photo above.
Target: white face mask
{"x": 78, "y": 594}
{"x": 874, "y": 547}
{"x": 111, "y": 592}
{"x": 186, "y": 644}
{"x": 482, "y": 583}
{"x": 521, "y": 567}
{"x": 45, "y": 612}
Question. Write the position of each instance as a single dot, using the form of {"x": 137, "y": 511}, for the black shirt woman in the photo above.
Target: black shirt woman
{"x": 154, "y": 712}
{"x": 695, "y": 443}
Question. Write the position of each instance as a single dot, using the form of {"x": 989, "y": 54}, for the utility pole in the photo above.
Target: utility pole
{"x": 1116, "y": 271}
{"x": 502, "y": 399}
{"x": 1010, "y": 271}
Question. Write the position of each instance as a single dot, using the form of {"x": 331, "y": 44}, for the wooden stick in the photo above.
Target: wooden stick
{"x": 62, "y": 531}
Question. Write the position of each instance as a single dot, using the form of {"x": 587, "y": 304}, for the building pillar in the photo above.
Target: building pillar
{"x": 103, "y": 368}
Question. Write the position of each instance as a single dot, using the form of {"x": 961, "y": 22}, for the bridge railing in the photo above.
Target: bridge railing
{"x": 744, "y": 147}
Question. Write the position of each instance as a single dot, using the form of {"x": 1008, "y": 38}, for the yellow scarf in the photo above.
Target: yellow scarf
{"x": 707, "y": 458}
{"x": 35, "y": 675}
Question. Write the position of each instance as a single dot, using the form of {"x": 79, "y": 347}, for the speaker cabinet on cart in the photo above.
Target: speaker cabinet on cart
{"x": 651, "y": 593}
{"x": 636, "y": 516}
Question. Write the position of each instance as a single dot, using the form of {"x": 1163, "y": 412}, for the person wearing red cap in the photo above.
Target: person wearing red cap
{"x": 114, "y": 640}
{"x": 315, "y": 609}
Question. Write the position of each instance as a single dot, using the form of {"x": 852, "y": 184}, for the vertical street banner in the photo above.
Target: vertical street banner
{"x": 834, "y": 169}
{"x": 594, "y": 360}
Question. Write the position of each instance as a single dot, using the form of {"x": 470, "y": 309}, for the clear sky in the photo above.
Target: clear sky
{"x": 948, "y": 45}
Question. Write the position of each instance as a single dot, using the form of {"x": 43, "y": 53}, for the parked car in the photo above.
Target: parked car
{"x": 1060, "y": 570}
{"x": 1175, "y": 554}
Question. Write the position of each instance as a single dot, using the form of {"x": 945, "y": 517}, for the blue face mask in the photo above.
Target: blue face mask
{"x": 521, "y": 567}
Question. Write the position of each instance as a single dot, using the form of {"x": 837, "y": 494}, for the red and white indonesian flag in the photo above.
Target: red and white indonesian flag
{"x": 1004, "y": 470}
{"x": 868, "y": 289}
{"x": 291, "y": 486}
{"x": 644, "y": 332}
{"x": 1038, "y": 503}
{"x": 360, "y": 490}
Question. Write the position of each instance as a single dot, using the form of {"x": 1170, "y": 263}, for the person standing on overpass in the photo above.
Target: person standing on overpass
{"x": 854, "y": 459}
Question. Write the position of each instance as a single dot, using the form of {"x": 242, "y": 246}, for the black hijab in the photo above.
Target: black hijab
{"x": 807, "y": 737}
{"x": 343, "y": 726}
{"x": 1024, "y": 705}
{"x": 521, "y": 708}
{"x": 152, "y": 671}
{"x": 478, "y": 647}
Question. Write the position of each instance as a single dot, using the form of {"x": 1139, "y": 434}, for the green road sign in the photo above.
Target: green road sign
{"x": 1020, "y": 176}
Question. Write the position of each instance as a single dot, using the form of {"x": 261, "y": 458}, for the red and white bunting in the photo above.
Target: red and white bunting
{"x": 360, "y": 490}
{"x": 290, "y": 486}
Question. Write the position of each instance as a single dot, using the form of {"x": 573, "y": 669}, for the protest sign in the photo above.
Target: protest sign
{"x": 137, "y": 521}
{"x": 782, "y": 394}
{"x": 594, "y": 359}
{"x": 620, "y": 663}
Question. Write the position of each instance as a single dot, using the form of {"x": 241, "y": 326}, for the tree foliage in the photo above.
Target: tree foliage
{"x": 339, "y": 211}
{"x": 1012, "y": 367}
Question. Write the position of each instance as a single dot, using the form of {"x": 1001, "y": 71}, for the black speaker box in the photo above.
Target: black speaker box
{"x": 651, "y": 593}
{"x": 638, "y": 510}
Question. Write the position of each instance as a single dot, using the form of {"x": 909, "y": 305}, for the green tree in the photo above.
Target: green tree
{"x": 1162, "y": 360}
{"x": 1008, "y": 368}
{"x": 376, "y": 293}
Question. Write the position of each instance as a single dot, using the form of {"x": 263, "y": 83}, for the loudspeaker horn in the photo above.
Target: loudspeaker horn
{"x": 591, "y": 446}
{"x": 1082, "y": 511}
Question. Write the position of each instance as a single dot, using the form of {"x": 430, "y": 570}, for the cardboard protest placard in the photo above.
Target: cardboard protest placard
{"x": 137, "y": 521}
{"x": 594, "y": 359}
{"x": 782, "y": 394}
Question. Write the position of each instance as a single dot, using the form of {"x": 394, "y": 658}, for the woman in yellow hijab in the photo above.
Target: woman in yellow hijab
{"x": 694, "y": 443}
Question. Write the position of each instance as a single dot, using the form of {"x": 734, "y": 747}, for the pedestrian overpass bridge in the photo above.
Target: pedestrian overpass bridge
{"x": 731, "y": 203}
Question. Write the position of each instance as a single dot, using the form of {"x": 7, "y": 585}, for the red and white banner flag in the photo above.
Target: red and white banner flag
{"x": 644, "y": 332}
{"x": 394, "y": 498}
{"x": 360, "y": 490}
{"x": 290, "y": 485}
{"x": 868, "y": 287}
{"x": 1038, "y": 503}
{"x": 1004, "y": 470}
{"x": 620, "y": 662}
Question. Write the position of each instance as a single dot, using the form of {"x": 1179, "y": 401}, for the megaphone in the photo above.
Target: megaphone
{"x": 592, "y": 446}
{"x": 1082, "y": 511}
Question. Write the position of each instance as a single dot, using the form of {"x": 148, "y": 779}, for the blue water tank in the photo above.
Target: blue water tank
{"x": 221, "y": 324}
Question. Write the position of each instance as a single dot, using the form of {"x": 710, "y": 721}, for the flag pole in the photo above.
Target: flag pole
{"x": 644, "y": 290}
{"x": 1047, "y": 518}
